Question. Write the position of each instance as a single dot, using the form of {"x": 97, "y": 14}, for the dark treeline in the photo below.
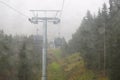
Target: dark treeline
{"x": 98, "y": 40}
{"x": 20, "y": 57}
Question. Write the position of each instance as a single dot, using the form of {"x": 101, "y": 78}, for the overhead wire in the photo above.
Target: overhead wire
{"x": 14, "y": 9}
{"x": 62, "y": 8}
{"x": 60, "y": 15}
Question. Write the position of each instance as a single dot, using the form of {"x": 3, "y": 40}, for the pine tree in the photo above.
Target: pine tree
{"x": 24, "y": 68}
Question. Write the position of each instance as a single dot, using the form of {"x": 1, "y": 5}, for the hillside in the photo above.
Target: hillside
{"x": 69, "y": 68}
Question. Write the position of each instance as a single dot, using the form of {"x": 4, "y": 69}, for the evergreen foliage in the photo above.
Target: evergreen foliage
{"x": 20, "y": 57}
{"x": 98, "y": 41}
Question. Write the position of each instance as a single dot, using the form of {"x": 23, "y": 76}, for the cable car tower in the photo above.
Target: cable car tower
{"x": 45, "y": 20}
{"x": 52, "y": 16}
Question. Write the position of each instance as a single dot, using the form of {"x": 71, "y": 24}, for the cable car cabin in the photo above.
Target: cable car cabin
{"x": 58, "y": 42}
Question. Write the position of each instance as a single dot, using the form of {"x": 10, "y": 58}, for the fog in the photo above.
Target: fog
{"x": 15, "y": 23}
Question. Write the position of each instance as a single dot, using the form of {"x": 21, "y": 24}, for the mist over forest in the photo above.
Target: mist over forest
{"x": 92, "y": 53}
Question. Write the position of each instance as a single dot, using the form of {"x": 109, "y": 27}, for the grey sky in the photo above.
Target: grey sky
{"x": 74, "y": 11}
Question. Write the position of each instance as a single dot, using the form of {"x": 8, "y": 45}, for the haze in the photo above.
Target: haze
{"x": 73, "y": 12}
